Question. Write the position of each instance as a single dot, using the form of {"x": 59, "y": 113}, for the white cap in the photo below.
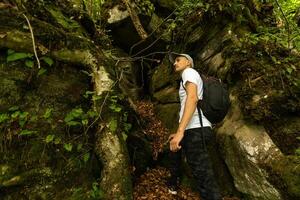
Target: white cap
{"x": 173, "y": 55}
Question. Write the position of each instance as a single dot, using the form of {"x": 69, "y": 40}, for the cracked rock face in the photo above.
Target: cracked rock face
{"x": 245, "y": 148}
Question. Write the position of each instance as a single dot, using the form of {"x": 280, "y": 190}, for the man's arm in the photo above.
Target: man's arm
{"x": 189, "y": 109}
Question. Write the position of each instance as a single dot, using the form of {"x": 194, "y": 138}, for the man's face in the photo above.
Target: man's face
{"x": 181, "y": 63}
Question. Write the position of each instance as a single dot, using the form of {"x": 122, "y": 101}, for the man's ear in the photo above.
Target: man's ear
{"x": 190, "y": 64}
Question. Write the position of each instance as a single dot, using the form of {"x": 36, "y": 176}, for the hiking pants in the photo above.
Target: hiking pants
{"x": 198, "y": 159}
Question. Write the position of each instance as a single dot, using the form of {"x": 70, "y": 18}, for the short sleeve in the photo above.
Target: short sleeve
{"x": 193, "y": 76}
{"x": 190, "y": 75}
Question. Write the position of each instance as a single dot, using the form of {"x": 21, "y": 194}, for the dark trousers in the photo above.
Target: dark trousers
{"x": 198, "y": 159}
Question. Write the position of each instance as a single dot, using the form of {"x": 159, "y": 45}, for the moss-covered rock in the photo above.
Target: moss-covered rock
{"x": 162, "y": 76}
{"x": 284, "y": 133}
{"x": 245, "y": 147}
{"x": 66, "y": 23}
{"x": 285, "y": 173}
{"x": 10, "y": 93}
{"x": 56, "y": 92}
{"x": 155, "y": 25}
{"x": 167, "y": 95}
{"x": 168, "y": 114}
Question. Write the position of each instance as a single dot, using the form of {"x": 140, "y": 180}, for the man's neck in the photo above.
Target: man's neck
{"x": 184, "y": 69}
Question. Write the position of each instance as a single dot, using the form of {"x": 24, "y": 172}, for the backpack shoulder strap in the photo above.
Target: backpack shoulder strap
{"x": 181, "y": 82}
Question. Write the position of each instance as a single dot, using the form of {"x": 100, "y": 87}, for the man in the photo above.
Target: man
{"x": 190, "y": 137}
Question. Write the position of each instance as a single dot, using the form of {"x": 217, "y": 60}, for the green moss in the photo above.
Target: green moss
{"x": 284, "y": 133}
{"x": 17, "y": 40}
{"x": 162, "y": 76}
{"x": 167, "y": 95}
{"x": 286, "y": 173}
{"x": 35, "y": 151}
{"x": 168, "y": 114}
{"x": 65, "y": 22}
{"x": 10, "y": 93}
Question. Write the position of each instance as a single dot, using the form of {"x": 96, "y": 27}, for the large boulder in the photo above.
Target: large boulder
{"x": 246, "y": 148}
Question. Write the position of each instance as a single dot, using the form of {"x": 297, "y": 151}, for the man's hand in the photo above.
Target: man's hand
{"x": 175, "y": 140}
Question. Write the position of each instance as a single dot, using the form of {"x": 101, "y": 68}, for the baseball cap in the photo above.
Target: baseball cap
{"x": 173, "y": 55}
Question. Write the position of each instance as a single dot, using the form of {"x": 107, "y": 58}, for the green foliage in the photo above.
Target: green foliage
{"x": 93, "y": 193}
{"x": 57, "y": 140}
{"x": 16, "y": 121}
{"x": 126, "y": 126}
{"x": 96, "y": 192}
{"x": 113, "y": 124}
{"x": 145, "y": 6}
{"x": 28, "y": 60}
{"x": 49, "y": 138}
{"x": 63, "y": 21}
{"x": 18, "y": 116}
{"x": 13, "y": 56}
{"x": 47, "y": 60}
{"x": 297, "y": 151}
{"x": 75, "y": 114}
{"x": 29, "y": 63}
{"x": 77, "y": 117}
{"x": 3, "y": 117}
{"x": 289, "y": 32}
{"x": 188, "y": 7}
{"x": 113, "y": 103}
{"x": 41, "y": 71}
{"x": 270, "y": 38}
{"x": 28, "y": 57}
{"x": 27, "y": 132}
{"x": 95, "y": 8}
{"x": 88, "y": 94}
{"x": 86, "y": 157}
{"x": 48, "y": 113}
{"x": 289, "y": 73}
{"x": 288, "y": 6}
{"x": 68, "y": 146}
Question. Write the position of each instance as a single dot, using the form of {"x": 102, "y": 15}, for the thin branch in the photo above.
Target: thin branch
{"x": 33, "y": 42}
{"x": 135, "y": 19}
{"x": 287, "y": 22}
{"x": 100, "y": 112}
{"x": 141, "y": 51}
{"x": 131, "y": 48}
{"x": 140, "y": 57}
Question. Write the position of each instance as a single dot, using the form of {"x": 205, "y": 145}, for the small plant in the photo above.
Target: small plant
{"x": 96, "y": 192}
{"x": 126, "y": 126}
{"x": 15, "y": 121}
{"x": 113, "y": 105}
{"x": 28, "y": 59}
{"x": 77, "y": 117}
{"x": 145, "y": 6}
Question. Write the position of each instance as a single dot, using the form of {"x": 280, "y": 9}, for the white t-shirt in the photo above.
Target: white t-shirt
{"x": 191, "y": 75}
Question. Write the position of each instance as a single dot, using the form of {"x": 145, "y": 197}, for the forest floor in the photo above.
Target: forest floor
{"x": 152, "y": 186}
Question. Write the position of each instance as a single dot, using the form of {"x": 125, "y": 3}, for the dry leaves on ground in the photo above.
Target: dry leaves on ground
{"x": 152, "y": 186}
{"x": 153, "y": 127}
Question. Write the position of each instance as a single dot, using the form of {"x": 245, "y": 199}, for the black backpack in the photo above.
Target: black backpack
{"x": 215, "y": 102}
